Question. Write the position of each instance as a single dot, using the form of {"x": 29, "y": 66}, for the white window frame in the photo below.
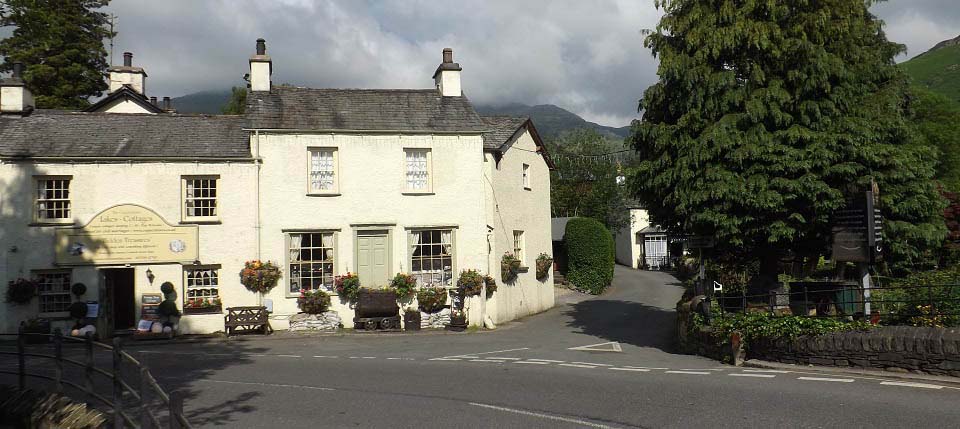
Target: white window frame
{"x": 519, "y": 247}
{"x": 289, "y": 240}
{"x": 39, "y": 200}
{"x": 447, "y": 278}
{"x": 526, "y": 176}
{"x": 211, "y": 283}
{"x": 335, "y": 169}
{"x": 428, "y": 188}
{"x": 41, "y": 293}
{"x": 184, "y": 199}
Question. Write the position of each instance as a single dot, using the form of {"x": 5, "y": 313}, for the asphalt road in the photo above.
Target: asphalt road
{"x": 528, "y": 374}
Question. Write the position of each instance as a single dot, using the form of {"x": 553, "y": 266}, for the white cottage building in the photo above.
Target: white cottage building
{"x": 129, "y": 195}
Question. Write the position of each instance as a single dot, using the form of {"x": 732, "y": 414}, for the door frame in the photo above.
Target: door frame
{"x": 108, "y": 317}
{"x": 361, "y": 230}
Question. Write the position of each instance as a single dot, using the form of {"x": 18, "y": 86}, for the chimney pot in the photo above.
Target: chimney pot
{"x": 447, "y": 55}
{"x": 17, "y": 70}
{"x": 261, "y": 47}
{"x": 166, "y": 103}
{"x": 153, "y": 101}
{"x": 127, "y": 59}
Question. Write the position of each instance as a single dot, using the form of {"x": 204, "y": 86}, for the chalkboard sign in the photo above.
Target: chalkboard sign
{"x": 857, "y": 231}
{"x": 149, "y": 303}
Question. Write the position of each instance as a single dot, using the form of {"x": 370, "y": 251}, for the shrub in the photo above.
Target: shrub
{"x": 509, "y": 267}
{"x": 471, "y": 281}
{"x": 21, "y": 291}
{"x": 753, "y": 326}
{"x": 167, "y": 288}
{"x": 259, "y": 276}
{"x": 544, "y": 264}
{"x": 590, "y": 253}
{"x": 313, "y": 302}
{"x": 928, "y": 298}
{"x": 78, "y": 310}
{"x": 432, "y": 299}
{"x": 347, "y": 285}
{"x": 403, "y": 284}
{"x": 168, "y": 309}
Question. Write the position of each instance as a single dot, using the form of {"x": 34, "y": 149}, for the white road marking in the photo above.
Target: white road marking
{"x": 363, "y": 357}
{"x": 547, "y": 360}
{"x": 393, "y": 358}
{"x": 575, "y": 365}
{"x": 503, "y": 358}
{"x": 532, "y": 362}
{"x": 328, "y": 357}
{"x": 611, "y": 346}
{"x": 909, "y": 384}
{"x": 446, "y": 359}
{"x": 689, "y": 372}
{"x": 774, "y": 371}
{"x": 485, "y": 360}
{"x": 475, "y": 355}
{"x": 630, "y": 369}
{"x": 594, "y": 364}
{"x": 753, "y": 375}
{"x": 642, "y": 367}
{"x": 839, "y": 380}
{"x": 248, "y": 383}
{"x": 289, "y": 356}
{"x": 543, "y": 416}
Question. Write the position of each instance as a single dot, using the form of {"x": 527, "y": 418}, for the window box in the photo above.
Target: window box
{"x": 217, "y": 309}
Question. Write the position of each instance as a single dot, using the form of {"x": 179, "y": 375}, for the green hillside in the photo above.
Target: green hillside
{"x": 202, "y": 102}
{"x": 938, "y": 69}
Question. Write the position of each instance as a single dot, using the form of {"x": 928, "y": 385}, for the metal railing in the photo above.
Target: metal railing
{"x": 148, "y": 386}
{"x": 934, "y": 303}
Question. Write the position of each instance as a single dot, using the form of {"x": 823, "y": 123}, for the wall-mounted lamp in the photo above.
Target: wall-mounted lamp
{"x": 150, "y": 276}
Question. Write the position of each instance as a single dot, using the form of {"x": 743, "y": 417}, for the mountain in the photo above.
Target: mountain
{"x": 938, "y": 69}
{"x": 551, "y": 120}
{"x": 202, "y": 102}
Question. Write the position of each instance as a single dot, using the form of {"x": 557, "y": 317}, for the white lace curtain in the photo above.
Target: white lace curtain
{"x": 446, "y": 239}
{"x": 322, "y": 170}
{"x": 295, "y": 240}
{"x": 417, "y": 174}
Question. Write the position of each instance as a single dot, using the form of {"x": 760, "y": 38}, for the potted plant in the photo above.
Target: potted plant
{"x": 411, "y": 319}
{"x": 313, "y": 301}
{"x": 403, "y": 284}
{"x": 35, "y": 330}
{"x": 432, "y": 299}
{"x": 458, "y": 320}
{"x": 259, "y": 276}
{"x": 509, "y": 267}
{"x": 347, "y": 286}
{"x": 544, "y": 264}
{"x": 471, "y": 281}
{"x": 21, "y": 291}
{"x": 491, "y": 284}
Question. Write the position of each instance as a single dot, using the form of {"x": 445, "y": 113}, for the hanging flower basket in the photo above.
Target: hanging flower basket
{"x": 491, "y": 284}
{"x": 471, "y": 281}
{"x": 544, "y": 264}
{"x": 509, "y": 267}
{"x": 21, "y": 291}
{"x": 259, "y": 276}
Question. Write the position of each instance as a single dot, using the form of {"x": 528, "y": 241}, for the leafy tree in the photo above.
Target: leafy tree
{"x": 60, "y": 44}
{"x": 586, "y": 185}
{"x": 765, "y": 113}
{"x": 237, "y": 104}
{"x": 936, "y": 119}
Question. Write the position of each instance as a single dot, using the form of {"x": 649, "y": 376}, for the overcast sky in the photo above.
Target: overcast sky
{"x": 583, "y": 55}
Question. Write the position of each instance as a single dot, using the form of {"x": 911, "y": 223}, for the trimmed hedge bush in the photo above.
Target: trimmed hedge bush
{"x": 590, "y": 253}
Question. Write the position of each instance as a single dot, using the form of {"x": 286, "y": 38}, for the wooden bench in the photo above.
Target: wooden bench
{"x": 247, "y": 319}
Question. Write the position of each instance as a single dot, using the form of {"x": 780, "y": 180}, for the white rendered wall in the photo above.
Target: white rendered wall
{"x": 510, "y": 208}
{"x": 137, "y": 81}
{"x": 259, "y": 76}
{"x": 15, "y": 99}
{"x": 628, "y": 250}
{"x": 124, "y": 106}
{"x": 449, "y": 81}
{"x": 155, "y": 185}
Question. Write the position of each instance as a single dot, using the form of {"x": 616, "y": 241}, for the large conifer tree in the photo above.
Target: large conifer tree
{"x": 765, "y": 113}
{"x": 60, "y": 43}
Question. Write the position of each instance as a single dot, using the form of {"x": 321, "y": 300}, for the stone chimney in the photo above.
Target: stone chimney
{"x": 261, "y": 67}
{"x": 447, "y": 76}
{"x": 127, "y": 74}
{"x": 15, "y": 97}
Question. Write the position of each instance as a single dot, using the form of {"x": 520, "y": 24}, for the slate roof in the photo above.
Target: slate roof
{"x": 409, "y": 110}
{"x": 51, "y": 133}
{"x": 502, "y": 128}
{"x": 127, "y": 93}
{"x": 558, "y": 228}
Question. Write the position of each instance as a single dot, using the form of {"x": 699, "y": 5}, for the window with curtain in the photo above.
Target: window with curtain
{"x": 200, "y": 197}
{"x": 311, "y": 261}
{"x": 323, "y": 170}
{"x": 53, "y": 290}
{"x": 432, "y": 256}
{"x": 202, "y": 288}
{"x": 53, "y": 199}
{"x": 518, "y": 246}
{"x": 418, "y": 169}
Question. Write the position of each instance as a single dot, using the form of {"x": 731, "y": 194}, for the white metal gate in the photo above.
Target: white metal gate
{"x": 655, "y": 251}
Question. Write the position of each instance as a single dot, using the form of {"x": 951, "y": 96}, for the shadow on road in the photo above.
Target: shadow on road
{"x": 626, "y": 322}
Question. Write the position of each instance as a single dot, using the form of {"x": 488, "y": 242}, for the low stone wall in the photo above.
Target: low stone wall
{"x": 896, "y": 348}
{"x": 700, "y": 340}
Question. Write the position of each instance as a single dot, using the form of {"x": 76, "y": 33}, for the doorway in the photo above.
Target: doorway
{"x": 119, "y": 298}
{"x": 373, "y": 257}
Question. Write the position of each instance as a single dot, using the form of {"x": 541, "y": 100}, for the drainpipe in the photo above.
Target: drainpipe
{"x": 259, "y": 163}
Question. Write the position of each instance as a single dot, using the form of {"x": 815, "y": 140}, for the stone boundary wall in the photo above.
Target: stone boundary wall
{"x": 893, "y": 348}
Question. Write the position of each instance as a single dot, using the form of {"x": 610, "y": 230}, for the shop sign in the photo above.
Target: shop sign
{"x": 126, "y": 234}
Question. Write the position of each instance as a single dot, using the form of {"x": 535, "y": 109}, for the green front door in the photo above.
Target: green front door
{"x": 373, "y": 257}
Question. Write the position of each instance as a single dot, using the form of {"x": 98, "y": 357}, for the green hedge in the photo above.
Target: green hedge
{"x": 590, "y": 253}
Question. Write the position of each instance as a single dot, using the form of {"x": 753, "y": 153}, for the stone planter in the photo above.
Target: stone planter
{"x": 458, "y": 323}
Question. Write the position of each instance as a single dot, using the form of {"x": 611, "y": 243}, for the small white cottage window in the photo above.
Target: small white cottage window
{"x": 200, "y": 198}
{"x": 518, "y": 246}
{"x": 417, "y": 170}
{"x": 432, "y": 256}
{"x": 53, "y": 291}
{"x": 323, "y": 171}
{"x": 53, "y": 199}
{"x": 526, "y": 176}
{"x": 203, "y": 288}
{"x": 310, "y": 261}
